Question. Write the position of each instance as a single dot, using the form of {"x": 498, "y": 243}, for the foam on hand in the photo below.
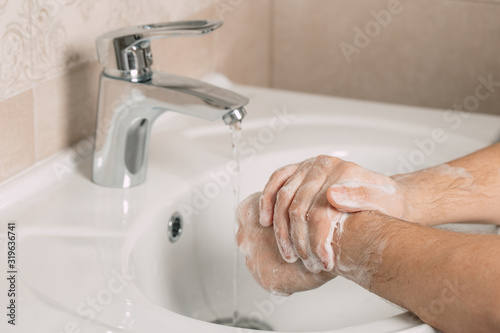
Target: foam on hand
{"x": 383, "y": 198}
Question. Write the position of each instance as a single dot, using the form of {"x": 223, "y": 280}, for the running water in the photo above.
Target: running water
{"x": 236, "y": 138}
{"x": 237, "y": 320}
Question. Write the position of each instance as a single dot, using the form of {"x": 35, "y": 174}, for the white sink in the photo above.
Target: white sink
{"x": 87, "y": 251}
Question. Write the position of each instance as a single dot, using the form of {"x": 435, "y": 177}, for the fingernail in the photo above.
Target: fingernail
{"x": 328, "y": 266}
{"x": 264, "y": 218}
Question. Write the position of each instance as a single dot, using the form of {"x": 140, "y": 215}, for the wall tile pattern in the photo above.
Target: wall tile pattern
{"x": 430, "y": 54}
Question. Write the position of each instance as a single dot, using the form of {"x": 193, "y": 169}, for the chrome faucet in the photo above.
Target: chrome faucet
{"x": 132, "y": 96}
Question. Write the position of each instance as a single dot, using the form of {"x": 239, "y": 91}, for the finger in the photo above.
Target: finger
{"x": 322, "y": 220}
{"x": 246, "y": 214}
{"x": 299, "y": 208}
{"x": 248, "y": 210}
{"x": 281, "y": 217}
{"x": 358, "y": 196}
{"x": 268, "y": 196}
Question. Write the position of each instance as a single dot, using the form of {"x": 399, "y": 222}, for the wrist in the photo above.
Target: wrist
{"x": 359, "y": 246}
{"x": 418, "y": 196}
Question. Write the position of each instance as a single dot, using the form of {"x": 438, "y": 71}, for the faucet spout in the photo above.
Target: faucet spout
{"x": 234, "y": 116}
{"x": 193, "y": 97}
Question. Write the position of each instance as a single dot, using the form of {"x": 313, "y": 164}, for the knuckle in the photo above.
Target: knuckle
{"x": 324, "y": 162}
{"x": 300, "y": 243}
{"x": 297, "y": 212}
{"x": 324, "y": 158}
{"x": 275, "y": 176}
{"x": 349, "y": 169}
{"x": 362, "y": 194}
{"x": 279, "y": 173}
{"x": 283, "y": 195}
{"x": 281, "y": 236}
{"x": 315, "y": 215}
{"x": 262, "y": 200}
{"x": 281, "y": 232}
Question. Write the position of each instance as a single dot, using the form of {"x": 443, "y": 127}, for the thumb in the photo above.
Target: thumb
{"x": 352, "y": 199}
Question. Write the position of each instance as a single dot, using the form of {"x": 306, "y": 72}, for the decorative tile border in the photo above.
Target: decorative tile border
{"x": 42, "y": 39}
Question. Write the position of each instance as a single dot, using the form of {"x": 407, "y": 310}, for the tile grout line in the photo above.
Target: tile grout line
{"x": 32, "y": 88}
{"x": 33, "y": 109}
{"x": 272, "y": 4}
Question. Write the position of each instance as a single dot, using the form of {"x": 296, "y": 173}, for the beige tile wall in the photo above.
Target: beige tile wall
{"x": 49, "y": 71}
{"x": 17, "y": 146}
{"x": 429, "y": 53}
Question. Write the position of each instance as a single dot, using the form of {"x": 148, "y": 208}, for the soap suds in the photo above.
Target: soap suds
{"x": 344, "y": 200}
{"x": 265, "y": 213}
{"x": 245, "y": 249}
{"x": 287, "y": 252}
{"x": 385, "y": 188}
{"x": 359, "y": 205}
{"x": 311, "y": 262}
{"x": 446, "y": 169}
{"x": 336, "y": 223}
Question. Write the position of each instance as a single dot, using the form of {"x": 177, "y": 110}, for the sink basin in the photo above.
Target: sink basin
{"x": 101, "y": 259}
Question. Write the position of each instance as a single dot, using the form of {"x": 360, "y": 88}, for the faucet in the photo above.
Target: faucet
{"x": 132, "y": 96}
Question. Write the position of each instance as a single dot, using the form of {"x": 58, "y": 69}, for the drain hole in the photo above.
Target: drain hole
{"x": 244, "y": 322}
{"x": 175, "y": 227}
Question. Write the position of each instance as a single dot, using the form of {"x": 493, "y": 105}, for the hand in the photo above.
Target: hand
{"x": 263, "y": 259}
{"x": 297, "y": 199}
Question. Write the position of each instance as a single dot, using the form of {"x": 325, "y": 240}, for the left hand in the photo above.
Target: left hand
{"x": 263, "y": 259}
{"x": 306, "y": 202}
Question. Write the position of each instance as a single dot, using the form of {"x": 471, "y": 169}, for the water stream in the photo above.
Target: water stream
{"x": 237, "y": 320}
{"x": 235, "y": 140}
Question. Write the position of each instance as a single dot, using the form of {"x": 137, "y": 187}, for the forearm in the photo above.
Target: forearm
{"x": 466, "y": 189}
{"x": 449, "y": 280}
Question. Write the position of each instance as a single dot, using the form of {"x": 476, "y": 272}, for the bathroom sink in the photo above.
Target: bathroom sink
{"x": 103, "y": 259}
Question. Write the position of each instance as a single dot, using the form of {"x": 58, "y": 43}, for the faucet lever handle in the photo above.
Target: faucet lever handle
{"x": 126, "y": 52}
